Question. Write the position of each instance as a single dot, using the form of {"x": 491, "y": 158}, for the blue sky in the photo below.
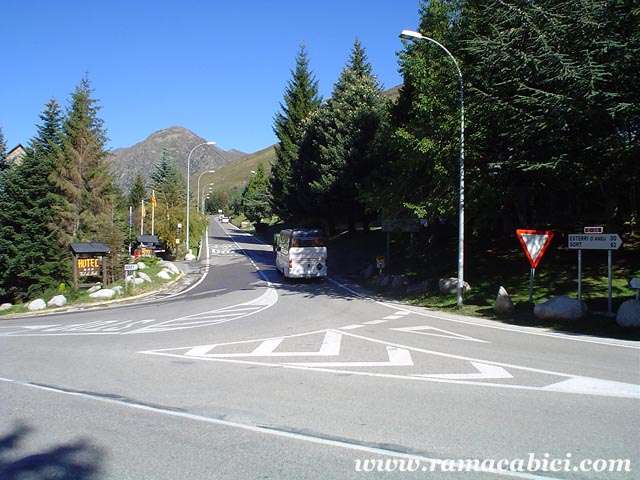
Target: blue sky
{"x": 218, "y": 68}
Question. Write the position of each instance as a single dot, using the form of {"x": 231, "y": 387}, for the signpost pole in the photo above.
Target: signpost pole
{"x": 579, "y": 274}
{"x": 533, "y": 272}
{"x": 609, "y": 280}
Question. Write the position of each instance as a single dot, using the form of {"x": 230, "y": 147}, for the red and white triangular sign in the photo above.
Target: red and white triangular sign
{"x": 535, "y": 243}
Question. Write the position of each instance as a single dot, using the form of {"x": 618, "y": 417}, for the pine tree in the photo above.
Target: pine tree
{"x": 169, "y": 185}
{"x": 555, "y": 84}
{"x": 3, "y": 153}
{"x": 301, "y": 100}
{"x": 340, "y": 150}
{"x": 32, "y": 260}
{"x": 87, "y": 193}
{"x": 255, "y": 197}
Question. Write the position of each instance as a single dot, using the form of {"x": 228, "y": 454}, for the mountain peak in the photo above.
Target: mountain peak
{"x": 177, "y": 142}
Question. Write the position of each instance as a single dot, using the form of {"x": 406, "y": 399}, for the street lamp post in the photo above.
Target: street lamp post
{"x": 189, "y": 185}
{"x": 198, "y": 192}
{"x": 415, "y": 36}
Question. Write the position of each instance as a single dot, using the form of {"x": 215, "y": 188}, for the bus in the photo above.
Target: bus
{"x": 301, "y": 253}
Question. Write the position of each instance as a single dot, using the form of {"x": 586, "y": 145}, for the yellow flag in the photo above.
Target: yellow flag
{"x": 153, "y": 199}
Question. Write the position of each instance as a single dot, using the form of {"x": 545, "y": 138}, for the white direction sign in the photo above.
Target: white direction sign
{"x": 601, "y": 241}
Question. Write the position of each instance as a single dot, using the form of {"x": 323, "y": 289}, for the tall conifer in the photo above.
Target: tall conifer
{"x": 301, "y": 100}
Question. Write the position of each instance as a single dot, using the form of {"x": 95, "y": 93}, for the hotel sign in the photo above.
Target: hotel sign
{"x": 89, "y": 267}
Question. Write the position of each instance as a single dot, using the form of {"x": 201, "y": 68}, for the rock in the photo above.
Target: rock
{"x": 398, "y": 282}
{"x": 170, "y": 265}
{"x": 561, "y": 308}
{"x": 134, "y": 280}
{"x": 94, "y": 289}
{"x": 189, "y": 256}
{"x": 450, "y": 285}
{"x": 5, "y": 306}
{"x": 57, "y": 301}
{"x": 417, "y": 288}
{"x": 38, "y": 304}
{"x": 142, "y": 265}
{"x": 143, "y": 276}
{"x": 103, "y": 294}
{"x": 118, "y": 289}
{"x": 629, "y": 314}
{"x": 503, "y": 304}
{"x": 385, "y": 281}
{"x": 164, "y": 274}
{"x": 368, "y": 272}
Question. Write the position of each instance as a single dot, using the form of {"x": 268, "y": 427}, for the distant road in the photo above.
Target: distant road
{"x": 244, "y": 375}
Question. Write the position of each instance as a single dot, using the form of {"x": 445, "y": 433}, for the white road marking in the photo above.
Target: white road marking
{"x": 351, "y": 327}
{"x": 485, "y": 371}
{"x": 398, "y": 357}
{"x": 375, "y": 322}
{"x": 264, "y": 430}
{"x": 330, "y": 347}
{"x": 596, "y": 387}
{"x": 513, "y": 329}
{"x": 428, "y": 330}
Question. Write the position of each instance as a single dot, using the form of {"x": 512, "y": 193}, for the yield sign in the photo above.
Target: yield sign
{"x": 535, "y": 243}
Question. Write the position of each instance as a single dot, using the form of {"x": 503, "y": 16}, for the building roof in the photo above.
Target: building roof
{"x": 90, "y": 247}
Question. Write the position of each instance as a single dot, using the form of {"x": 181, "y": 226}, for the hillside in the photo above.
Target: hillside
{"x": 235, "y": 173}
{"x": 126, "y": 163}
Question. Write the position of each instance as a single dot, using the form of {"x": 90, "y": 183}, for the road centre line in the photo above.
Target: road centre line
{"x": 266, "y": 430}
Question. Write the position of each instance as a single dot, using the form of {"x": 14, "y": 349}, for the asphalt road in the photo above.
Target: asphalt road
{"x": 243, "y": 375}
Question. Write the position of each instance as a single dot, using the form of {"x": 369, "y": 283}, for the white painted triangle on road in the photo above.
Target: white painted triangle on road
{"x": 485, "y": 371}
{"x": 595, "y": 386}
{"x": 266, "y": 348}
{"x": 429, "y": 330}
{"x": 398, "y": 357}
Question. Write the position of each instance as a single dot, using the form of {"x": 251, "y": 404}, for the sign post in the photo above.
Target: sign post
{"x": 594, "y": 239}
{"x": 535, "y": 243}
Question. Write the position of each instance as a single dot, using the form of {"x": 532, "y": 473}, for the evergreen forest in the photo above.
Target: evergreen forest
{"x": 548, "y": 92}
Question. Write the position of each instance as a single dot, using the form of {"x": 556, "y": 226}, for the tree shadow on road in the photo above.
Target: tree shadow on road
{"x": 77, "y": 460}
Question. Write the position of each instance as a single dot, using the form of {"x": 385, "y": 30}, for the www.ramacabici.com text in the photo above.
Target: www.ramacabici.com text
{"x": 531, "y": 464}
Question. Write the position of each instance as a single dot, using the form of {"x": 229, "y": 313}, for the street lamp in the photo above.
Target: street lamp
{"x": 415, "y": 36}
{"x": 198, "y": 192}
{"x": 188, "y": 184}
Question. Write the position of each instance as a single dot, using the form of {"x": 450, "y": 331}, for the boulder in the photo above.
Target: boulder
{"x": 503, "y": 304}
{"x": 143, "y": 276}
{"x": 629, "y": 314}
{"x": 57, "y": 301}
{"x": 5, "y": 306}
{"x": 368, "y": 272}
{"x": 189, "y": 256}
{"x": 94, "y": 288}
{"x": 142, "y": 265}
{"x": 561, "y": 308}
{"x": 169, "y": 265}
{"x": 418, "y": 288}
{"x": 385, "y": 281}
{"x": 164, "y": 274}
{"x": 103, "y": 294}
{"x": 118, "y": 289}
{"x": 38, "y": 304}
{"x": 398, "y": 282}
{"x": 134, "y": 280}
{"x": 450, "y": 285}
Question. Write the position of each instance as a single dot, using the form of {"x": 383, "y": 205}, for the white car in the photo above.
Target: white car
{"x": 224, "y": 219}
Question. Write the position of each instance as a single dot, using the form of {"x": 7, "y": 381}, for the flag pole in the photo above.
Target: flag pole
{"x": 153, "y": 212}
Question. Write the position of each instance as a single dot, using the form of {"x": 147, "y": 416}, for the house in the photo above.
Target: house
{"x": 15, "y": 156}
